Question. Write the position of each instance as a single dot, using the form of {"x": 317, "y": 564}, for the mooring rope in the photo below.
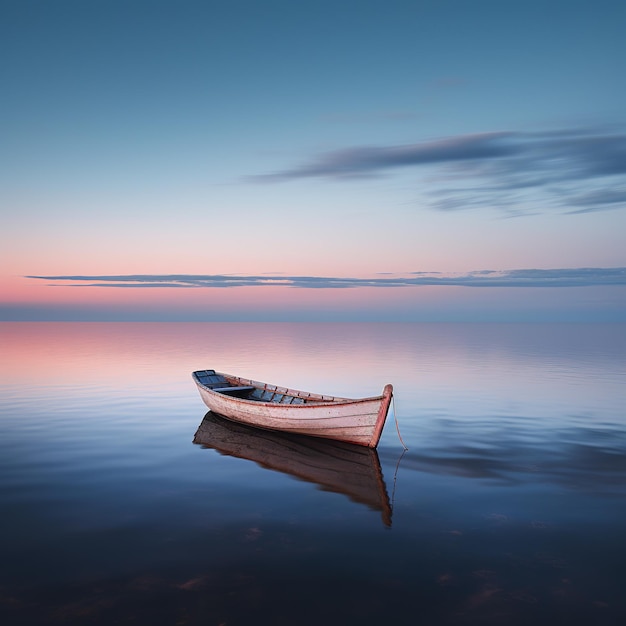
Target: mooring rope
{"x": 395, "y": 478}
{"x": 395, "y": 417}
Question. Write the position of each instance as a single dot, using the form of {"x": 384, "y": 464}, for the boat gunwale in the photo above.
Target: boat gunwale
{"x": 311, "y": 399}
{"x": 367, "y": 415}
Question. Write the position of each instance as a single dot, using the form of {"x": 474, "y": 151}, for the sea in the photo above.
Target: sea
{"x": 497, "y": 494}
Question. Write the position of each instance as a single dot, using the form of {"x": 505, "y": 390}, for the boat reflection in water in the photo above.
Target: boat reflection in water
{"x": 334, "y": 466}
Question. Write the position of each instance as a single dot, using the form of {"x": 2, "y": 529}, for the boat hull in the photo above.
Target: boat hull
{"x": 354, "y": 421}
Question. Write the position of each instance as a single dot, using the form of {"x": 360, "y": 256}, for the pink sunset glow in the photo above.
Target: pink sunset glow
{"x": 280, "y": 157}
{"x": 531, "y": 295}
{"x": 98, "y": 356}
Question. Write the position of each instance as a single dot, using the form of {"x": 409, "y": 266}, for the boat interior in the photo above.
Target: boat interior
{"x": 256, "y": 391}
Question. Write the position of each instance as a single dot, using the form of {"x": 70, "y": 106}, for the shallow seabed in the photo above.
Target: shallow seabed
{"x": 508, "y": 508}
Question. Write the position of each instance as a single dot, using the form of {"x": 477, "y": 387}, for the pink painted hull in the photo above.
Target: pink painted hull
{"x": 358, "y": 421}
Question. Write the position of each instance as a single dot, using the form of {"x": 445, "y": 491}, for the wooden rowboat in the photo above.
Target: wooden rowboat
{"x": 334, "y": 466}
{"x": 250, "y": 402}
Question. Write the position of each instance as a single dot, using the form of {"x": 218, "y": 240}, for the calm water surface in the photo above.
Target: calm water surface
{"x": 508, "y": 508}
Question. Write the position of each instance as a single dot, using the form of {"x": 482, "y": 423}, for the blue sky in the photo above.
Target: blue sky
{"x": 320, "y": 139}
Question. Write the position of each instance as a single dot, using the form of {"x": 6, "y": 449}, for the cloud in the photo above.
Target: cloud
{"x": 576, "y": 277}
{"x": 369, "y": 160}
{"x": 516, "y": 172}
{"x": 604, "y": 199}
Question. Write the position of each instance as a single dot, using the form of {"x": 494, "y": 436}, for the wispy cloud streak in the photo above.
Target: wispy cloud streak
{"x": 577, "y": 277}
{"x": 371, "y": 159}
{"x": 559, "y": 170}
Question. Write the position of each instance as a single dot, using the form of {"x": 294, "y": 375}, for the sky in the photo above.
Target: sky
{"x": 442, "y": 160}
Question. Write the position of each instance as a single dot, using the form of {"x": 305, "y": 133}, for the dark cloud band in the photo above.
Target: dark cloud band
{"x": 577, "y": 277}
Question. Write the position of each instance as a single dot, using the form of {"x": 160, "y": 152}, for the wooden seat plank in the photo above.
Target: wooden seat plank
{"x": 230, "y": 389}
